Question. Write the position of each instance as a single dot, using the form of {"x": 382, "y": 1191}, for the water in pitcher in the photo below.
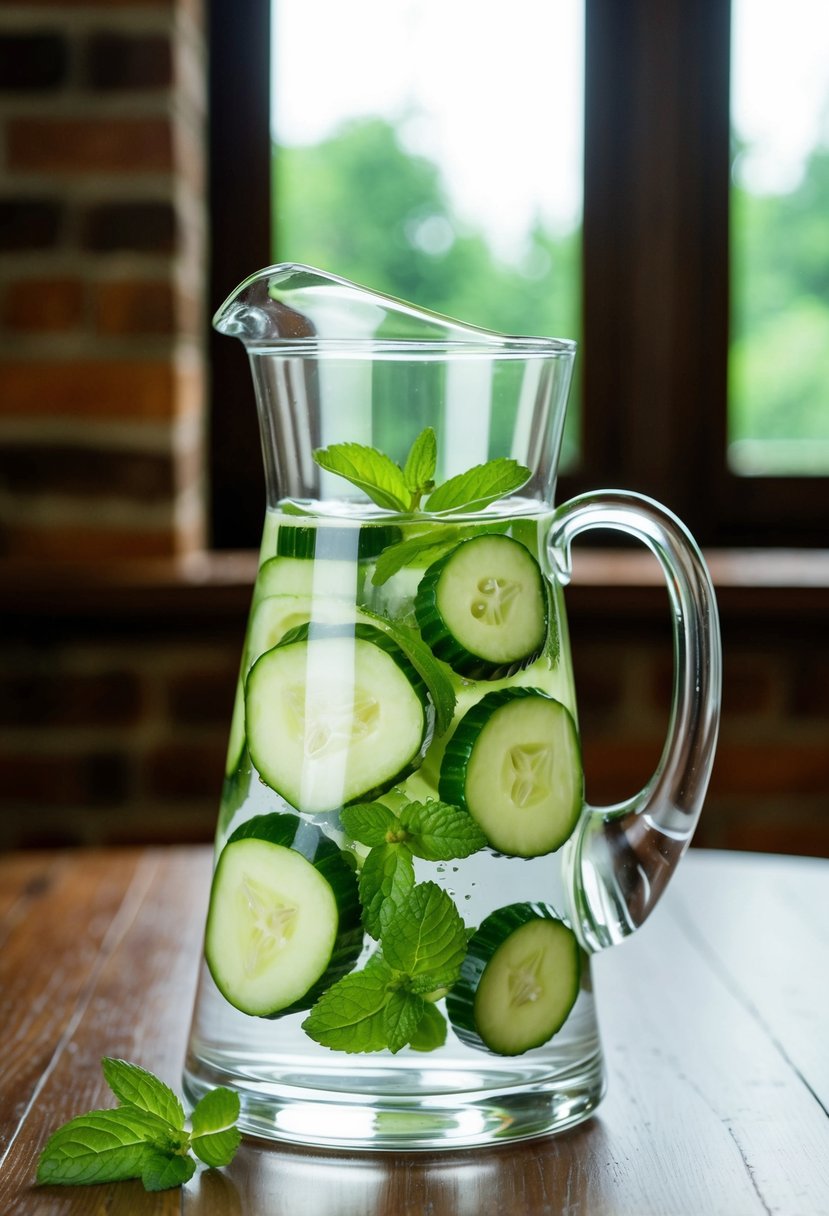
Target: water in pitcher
{"x": 392, "y": 664}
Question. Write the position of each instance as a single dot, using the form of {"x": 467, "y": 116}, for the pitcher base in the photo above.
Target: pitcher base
{"x": 416, "y": 1121}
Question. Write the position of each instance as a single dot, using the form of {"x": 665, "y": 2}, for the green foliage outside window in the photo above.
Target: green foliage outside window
{"x": 359, "y": 205}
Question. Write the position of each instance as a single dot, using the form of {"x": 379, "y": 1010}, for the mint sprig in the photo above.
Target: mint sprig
{"x": 433, "y": 830}
{"x": 145, "y": 1137}
{"x": 386, "y": 1005}
{"x": 396, "y": 489}
{"x": 479, "y": 486}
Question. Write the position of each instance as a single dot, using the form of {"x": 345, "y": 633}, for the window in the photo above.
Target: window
{"x": 441, "y": 159}
{"x": 778, "y": 415}
{"x": 656, "y": 294}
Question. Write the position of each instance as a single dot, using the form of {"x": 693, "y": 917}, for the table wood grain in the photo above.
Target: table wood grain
{"x": 713, "y": 1017}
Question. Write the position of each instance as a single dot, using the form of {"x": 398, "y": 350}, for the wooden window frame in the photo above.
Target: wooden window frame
{"x": 655, "y": 261}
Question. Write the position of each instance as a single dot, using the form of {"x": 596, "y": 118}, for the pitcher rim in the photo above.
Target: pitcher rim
{"x": 459, "y": 340}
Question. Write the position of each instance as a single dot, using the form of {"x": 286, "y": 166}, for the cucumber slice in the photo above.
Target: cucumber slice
{"x": 324, "y": 543}
{"x": 514, "y": 762}
{"x": 483, "y": 607}
{"x": 335, "y": 713}
{"x": 284, "y": 917}
{"x": 277, "y": 615}
{"x": 518, "y": 982}
{"x": 297, "y": 576}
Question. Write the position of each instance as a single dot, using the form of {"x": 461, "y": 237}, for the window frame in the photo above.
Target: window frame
{"x": 656, "y": 270}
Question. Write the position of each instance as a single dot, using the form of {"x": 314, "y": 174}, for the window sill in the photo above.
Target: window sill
{"x": 752, "y": 585}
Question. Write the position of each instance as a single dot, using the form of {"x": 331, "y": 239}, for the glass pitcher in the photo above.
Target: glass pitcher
{"x": 408, "y": 884}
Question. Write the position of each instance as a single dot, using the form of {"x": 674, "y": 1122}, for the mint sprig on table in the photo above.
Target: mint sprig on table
{"x": 144, "y": 1137}
{"x": 403, "y": 489}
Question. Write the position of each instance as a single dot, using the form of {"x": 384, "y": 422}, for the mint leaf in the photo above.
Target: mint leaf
{"x": 144, "y": 1137}
{"x": 350, "y": 1015}
{"x": 427, "y": 667}
{"x": 103, "y": 1146}
{"x": 419, "y": 469}
{"x": 369, "y": 822}
{"x": 402, "y": 1017}
{"x": 479, "y": 486}
{"x": 438, "y": 831}
{"x": 431, "y": 1029}
{"x": 161, "y": 1172}
{"x": 371, "y": 471}
{"x": 427, "y": 547}
{"x": 137, "y": 1087}
{"x": 215, "y": 1137}
{"x": 425, "y": 935}
{"x": 386, "y": 879}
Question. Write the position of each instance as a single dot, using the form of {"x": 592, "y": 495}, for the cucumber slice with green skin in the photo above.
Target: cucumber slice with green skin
{"x": 324, "y": 543}
{"x": 284, "y": 917}
{"x": 514, "y": 762}
{"x": 297, "y": 576}
{"x": 483, "y": 607}
{"x": 518, "y": 983}
{"x": 335, "y": 714}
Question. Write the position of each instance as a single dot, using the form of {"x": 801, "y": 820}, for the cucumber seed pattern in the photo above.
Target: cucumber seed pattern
{"x": 524, "y": 979}
{"x": 269, "y": 925}
{"x": 333, "y": 725}
{"x": 528, "y": 773}
{"x": 497, "y": 598}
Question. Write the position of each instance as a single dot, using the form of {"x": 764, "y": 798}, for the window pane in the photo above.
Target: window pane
{"x": 432, "y": 149}
{"x": 779, "y": 358}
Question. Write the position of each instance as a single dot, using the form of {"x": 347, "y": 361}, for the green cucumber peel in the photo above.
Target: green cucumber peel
{"x": 385, "y": 1006}
{"x": 402, "y": 489}
{"x": 145, "y": 1137}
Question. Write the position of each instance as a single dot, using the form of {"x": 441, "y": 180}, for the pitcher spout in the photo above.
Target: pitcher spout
{"x": 290, "y": 302}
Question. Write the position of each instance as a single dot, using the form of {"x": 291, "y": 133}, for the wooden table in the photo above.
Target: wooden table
{"x": 715, "y": 1021}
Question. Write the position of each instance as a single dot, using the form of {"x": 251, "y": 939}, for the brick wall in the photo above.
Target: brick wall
{"x": 102, "y": 254}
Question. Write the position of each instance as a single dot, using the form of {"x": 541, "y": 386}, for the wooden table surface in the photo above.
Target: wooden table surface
{"x": 715, "y": 1022}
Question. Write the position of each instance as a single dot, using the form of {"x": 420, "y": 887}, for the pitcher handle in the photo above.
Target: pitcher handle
{"x": 619, "y": 860}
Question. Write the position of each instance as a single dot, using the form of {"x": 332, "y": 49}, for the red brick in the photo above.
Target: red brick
{"x": 135, "y": 307}
{"x": 87, "y": 472}
{"x": 44, "y": 305}
{"x": 128, "y": 61}
{"x": 60, "y": 779}
{"x": 90, "y": 145}
{"x": 765, "y": 832}
{"x": 188, "y": 770}
{"x": 148, "y": 226}
{"x": 66, "y": 699}
{"x": 53, "y": 541}
{"x": 618, "y": 768}
{"x": 32, "y": 61}
{"x": 771, "y": 767}
{"x": 810, "y": 689}
{"x": 29, "y": 223}
{"x": 111, "y": 389}
{"x": 199, "y": 697}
